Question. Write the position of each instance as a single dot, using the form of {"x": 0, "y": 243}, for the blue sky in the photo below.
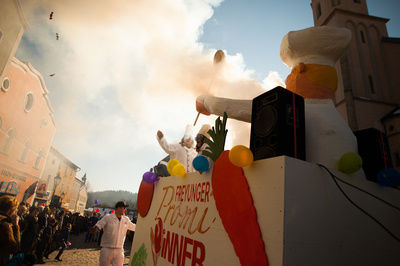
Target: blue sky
{"x": 125, "y": 69}
{"x": 255, "y": 28}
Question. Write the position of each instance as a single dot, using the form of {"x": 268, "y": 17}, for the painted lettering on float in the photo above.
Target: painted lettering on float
{"x": 178, "y": 249}
{"x": 182, "y": 213}
{"x": 174, "y": 211}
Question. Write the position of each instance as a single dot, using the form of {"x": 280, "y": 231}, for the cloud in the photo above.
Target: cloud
{"x": 125, "y": 69}
{"x": 272, "y": 80}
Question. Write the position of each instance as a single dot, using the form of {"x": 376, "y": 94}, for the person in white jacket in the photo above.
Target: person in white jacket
{"x": 183, "y": 151}
{"x": 115, "y": 226}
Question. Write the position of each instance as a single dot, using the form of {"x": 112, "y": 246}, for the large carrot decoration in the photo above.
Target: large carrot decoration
{"x": 234, "y": 201}
{"x": 144, "y": 198}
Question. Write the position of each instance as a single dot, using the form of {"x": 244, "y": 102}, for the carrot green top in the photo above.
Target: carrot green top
{"x": 218, "y": 135}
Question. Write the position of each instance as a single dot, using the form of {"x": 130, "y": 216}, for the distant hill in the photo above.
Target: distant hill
{"x": 108, "y": 198}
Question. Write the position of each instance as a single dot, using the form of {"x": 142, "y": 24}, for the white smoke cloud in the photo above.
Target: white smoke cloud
{"x": 124, "y": 69}
{"x": 272, "y": 80}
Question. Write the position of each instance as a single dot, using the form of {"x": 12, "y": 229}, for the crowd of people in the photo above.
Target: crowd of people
{"x": 28, "y": 234}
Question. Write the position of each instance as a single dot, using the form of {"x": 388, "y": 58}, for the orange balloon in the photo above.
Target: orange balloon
{"x": 241, "y": 156}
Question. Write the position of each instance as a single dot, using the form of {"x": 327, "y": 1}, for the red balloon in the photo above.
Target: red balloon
{"x": 112, "y": 211}
{"x": 97, "y": 210}
{"x": 42, "y": 204}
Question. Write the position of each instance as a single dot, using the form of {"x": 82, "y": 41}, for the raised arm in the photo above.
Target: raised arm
{"x": 168, "y": 148}
{"x": 236, "y": 109}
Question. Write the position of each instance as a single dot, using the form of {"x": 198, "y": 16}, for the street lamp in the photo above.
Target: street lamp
{"x": 83, "y": 180}
{"x": 57, "y": 180}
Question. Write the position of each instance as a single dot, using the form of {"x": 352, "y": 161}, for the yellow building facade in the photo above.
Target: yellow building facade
{"x": 59, "y": 175}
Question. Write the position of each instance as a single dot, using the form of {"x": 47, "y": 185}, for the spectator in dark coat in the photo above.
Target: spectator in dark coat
{"x": 9, "y": 228}
{"x": 30, "y": 232}
{"x": 92, "y": 221}
{"x": 22, "y": 211}
{"x": 61, "y": 241}
{"x": 50, "y": 232}
{"x": 43, "y": 235}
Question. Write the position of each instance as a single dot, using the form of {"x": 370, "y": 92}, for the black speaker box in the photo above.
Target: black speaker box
{"x": 374, "y": 150}
{"x": 278, "y": 125}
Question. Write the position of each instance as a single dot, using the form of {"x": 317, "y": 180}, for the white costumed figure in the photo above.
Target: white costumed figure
{"x": 183, "y": 151}
{"x": 312, "y": 54}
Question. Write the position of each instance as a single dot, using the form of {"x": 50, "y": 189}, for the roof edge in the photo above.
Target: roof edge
{"x": 21, "y": 15}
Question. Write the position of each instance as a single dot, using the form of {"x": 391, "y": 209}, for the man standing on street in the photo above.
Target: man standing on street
{"x": 115, "y": 226}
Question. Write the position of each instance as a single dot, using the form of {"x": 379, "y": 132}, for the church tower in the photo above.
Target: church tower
{"x": 368, "y": 90}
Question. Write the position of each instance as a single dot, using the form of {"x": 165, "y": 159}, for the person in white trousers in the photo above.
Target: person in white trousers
{"x": 115, "y": 226}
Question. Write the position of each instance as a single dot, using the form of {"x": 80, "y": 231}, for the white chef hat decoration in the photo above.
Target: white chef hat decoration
{"x": 188, "y": 132}
{"x": 316, "y": 45}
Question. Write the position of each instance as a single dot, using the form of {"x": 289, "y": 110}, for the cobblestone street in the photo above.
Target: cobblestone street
{"x": 83, "y": 253}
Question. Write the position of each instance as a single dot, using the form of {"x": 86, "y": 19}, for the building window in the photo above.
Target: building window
{"x": 6, "y": 84}
{"x": 10, "y": 136}
{"x": 357, "y": 1}
{"x": 38, "y": 159}
{"x": 391, "y": 128}
{"x": 319, "y": 12}
{"x": 28, "y": 145}
{"x": 362, "y": 36}
{"x": 371, "y": 84}
{"x": 29, "y": 101}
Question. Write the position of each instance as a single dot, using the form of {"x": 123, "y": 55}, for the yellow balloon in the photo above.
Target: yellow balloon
{"x": 179, "y": 170}
{"x": 241, "y": 156}
{"x": 171, "y": 165}
{"x": 350, "y": 163}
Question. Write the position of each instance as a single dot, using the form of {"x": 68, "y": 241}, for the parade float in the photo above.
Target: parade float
{"x": 304, "y": 201}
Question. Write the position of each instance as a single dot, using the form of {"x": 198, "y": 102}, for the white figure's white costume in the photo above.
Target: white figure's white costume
{"x": 328, "y": 136}
{"x": 112, "y": 241}
{"x": 177, "y": 151}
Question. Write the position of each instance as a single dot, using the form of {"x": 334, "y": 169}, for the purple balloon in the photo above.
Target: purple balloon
{"x": 150, "y": 177}
{"x": 96, "y": 201}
